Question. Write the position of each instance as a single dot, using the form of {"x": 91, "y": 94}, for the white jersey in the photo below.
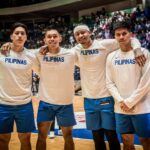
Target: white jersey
{"x": 129, "y": 82}
{"x": 56, "y": 77}
{"x": 16, "y": 78}
{"x": 92, "y": 67}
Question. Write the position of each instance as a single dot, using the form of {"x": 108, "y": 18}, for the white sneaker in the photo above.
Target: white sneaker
{"x": 60, "y": 132}
{"x": 51, "y": 135}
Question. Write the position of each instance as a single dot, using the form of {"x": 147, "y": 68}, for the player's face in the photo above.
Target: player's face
{"x": 83, "y": 36}
{"x": 123, "y": 36}
{"x": 52, "y": 38}
{"x": 19, "y": 37}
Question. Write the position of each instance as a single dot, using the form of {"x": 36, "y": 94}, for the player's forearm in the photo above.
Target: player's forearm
{"x": 142, "y": 89}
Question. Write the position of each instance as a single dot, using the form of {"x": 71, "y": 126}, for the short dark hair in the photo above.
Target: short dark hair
{"x": 18, "y": 24}
{"x": 122, "y": 24}
{"x": 51, "y": 28}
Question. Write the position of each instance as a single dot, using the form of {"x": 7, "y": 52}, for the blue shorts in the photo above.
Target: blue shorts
{"x": 100, "y": 113}
{"x": 138, "y": 124}
{"x": 63, "y": 113}
{"x": 21, "y": 114}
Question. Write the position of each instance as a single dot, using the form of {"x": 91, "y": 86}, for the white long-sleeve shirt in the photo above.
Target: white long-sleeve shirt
{"x": 16, "y": 78}
{"x": 128, "y": 82}
{"x": 56, "y": 77}
{"x": 92, "y": 62}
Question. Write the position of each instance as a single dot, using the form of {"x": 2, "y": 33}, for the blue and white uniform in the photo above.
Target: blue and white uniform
{"x": 97, "y": 99}
{"x": 15, "y": 91}
{"x": 130, "y": 83}
{"x": 56, "y": 87}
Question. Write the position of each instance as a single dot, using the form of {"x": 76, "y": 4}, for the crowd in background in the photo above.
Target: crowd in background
{"x": 100, "y": 24}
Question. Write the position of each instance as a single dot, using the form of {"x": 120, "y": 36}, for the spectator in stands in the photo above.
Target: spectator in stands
{"x": 100, "y": 23}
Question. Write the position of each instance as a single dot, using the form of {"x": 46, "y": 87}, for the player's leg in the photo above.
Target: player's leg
{"x": 45, "y": 117}
{"x": 143, "y": 129}
{"x": 98, "y": 137}
{"x": 128, "y": 141}
{"x": 106, "y": 105}
{"x": 93, "y": 122}
{"x": 67, "y": 135}
{"x": 4, "y": 141}
{"x": 25, "y": 124}
{"x": 6, "y": 125}
{"x": 145, "y": 143}
{"x": 43, "y": 129}
{"x": 25, "y": 140}
{"x": 125, "y": 127}
{"x": 66, "y": 120}
{"x": 112, "y": 138}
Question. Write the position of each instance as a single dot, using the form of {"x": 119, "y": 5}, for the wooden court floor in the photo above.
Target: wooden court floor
{"x": 57, "y": 143}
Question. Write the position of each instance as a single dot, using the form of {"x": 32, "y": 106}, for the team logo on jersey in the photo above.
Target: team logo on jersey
{"x": 89, "y": 52}
{"x": 53, "y": 59}
{"x": 15, "y": 61}
{"x": 125, "y": 61}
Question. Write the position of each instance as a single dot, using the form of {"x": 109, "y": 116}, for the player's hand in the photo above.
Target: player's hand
{"x": 43, "y": 50}
{"x": 139, "y": 57}
{"x": 141, "y": 60}
{"x": 125, "y": 108}
{"x": 5, "y": 49}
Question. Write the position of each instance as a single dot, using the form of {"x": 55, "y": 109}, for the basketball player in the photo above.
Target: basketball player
{"x": 129, "y": 84}
{"x": 15, "y": 90}
{"x": 98, "y": 103}
{"x": 56, "y": 90}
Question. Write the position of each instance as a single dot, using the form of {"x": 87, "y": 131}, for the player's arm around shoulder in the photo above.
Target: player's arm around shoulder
{"x": 34, "y": 51}
{"x": 109, "y": 44}
{"x": 146, "y": 53}
{"x": 112, "y": 44}
{"x": 138, "y": 52}
{"x": 74, "y": 52}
